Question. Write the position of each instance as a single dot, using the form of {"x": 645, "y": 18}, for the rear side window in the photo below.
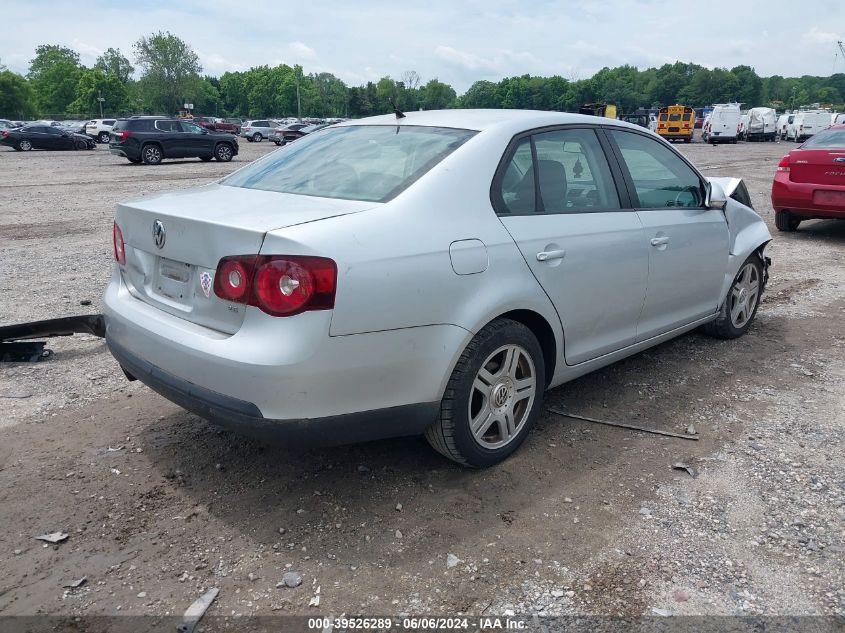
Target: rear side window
{"x": 108, "y": 122}
{"x": 360, "y": 162}
{"x": 573, "y": 172}
{"x": 517, "y": 186}
{"x": 119, "y": 125}
{"x": 661, "y": 179}
{"x": 168, "y": 126}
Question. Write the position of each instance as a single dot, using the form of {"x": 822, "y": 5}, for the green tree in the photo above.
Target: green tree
{"x": 17, "y": 100}
{"x": 436, "y": 95}
{"x": 114, "y": 62}
{"x": 94, "y": 83}
{"x": 54, "y": 73}
{"x": 170, "y": 70}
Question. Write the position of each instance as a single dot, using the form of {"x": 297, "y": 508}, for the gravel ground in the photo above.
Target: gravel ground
{"x": 159, "y": 505}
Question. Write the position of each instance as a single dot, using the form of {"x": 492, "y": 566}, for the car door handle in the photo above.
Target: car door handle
{"x": 544, "y": 256}
{"x": 659, "y": 241}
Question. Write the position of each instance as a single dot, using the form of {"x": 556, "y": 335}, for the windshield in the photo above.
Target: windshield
{"x": 827, "y": 139}
{"x": 373, "y": 163}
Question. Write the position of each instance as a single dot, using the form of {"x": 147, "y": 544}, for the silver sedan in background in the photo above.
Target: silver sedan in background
{"x": 433, "y": 273}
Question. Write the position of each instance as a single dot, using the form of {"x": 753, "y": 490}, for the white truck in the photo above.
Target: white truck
{"x": 762, "y": 125}
{"x": 723, "y": 124}
{"x": 806, "y": 124}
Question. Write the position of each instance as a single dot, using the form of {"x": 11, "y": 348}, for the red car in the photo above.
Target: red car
{"x": 810, "y": 180}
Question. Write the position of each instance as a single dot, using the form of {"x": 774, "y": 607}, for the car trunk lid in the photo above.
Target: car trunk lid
{"x": 174, "y": 241}
{"x": 818, "y": 166}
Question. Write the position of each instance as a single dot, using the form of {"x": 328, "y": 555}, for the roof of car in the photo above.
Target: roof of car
{"x": 485, "y": 119}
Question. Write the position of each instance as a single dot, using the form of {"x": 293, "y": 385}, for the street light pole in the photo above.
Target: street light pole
{"x": 100, "y": 99}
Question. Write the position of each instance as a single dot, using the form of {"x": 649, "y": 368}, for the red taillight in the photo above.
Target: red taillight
{"x": 280, "y": 285}
{"x": 124, "y": 135}
{"x": 783, "y": 165}
{"x": 119, "y": 246}
{"x": 4, "y": 133}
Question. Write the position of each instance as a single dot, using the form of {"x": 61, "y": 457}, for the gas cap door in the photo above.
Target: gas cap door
{"x": 468, "y": 257}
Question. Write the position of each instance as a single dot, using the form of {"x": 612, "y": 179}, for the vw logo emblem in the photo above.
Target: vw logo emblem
{"x": 839, "y": 160}
{"x": 159, "y": 234}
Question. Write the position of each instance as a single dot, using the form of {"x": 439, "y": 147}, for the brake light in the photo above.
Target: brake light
{"x": 4, "y": 133}
{"x": 124, "y": 135}
{"x": 119, "y": 246}
{"x": 783, "y": 165}
{"x": 280, "y": 285}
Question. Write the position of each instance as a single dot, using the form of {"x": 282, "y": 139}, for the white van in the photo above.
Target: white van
{"x": 783, "y": 120}
{"x": 742, "y": 130}
{"x": 806, "y": 124}
{"x": 724, "y": 123}
{"x": 762, "y": 125}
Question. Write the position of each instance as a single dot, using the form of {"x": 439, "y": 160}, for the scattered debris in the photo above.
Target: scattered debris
{"x": 683, "y": 466}
{"x": 142, "y": 594}
{"x": 115, "y": 449}
{"x": 15, "y": 345}
{"x": 290, "y": 579}
{"x": 691, "y": 430}
{"x": 195, "y": 612}
{"x": 85, "y": 302}
{"x": 397, "y": 534}
{"x": 315, "y": 600}
{"x": 452, "y": 561}
{"x": 73, "y": 584}
{"x": 15, "y": 396}
{"x": 662, "y": 612}
{"x": 399, "y": 507}
{"x": 681, "y": 595}
{"x": 363, "y": 469}
{"x": 115, "y": 471}
{"x": 53, "y": 537}
{"x": 621, "y": 425}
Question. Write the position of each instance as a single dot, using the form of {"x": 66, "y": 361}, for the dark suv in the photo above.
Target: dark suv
{"x": 152, "y": 139}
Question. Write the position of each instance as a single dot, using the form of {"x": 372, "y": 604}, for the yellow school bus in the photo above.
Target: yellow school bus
{"x": 676, "y": 122}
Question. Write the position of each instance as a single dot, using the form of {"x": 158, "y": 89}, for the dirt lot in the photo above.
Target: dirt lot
{"x": 159, "y": 505}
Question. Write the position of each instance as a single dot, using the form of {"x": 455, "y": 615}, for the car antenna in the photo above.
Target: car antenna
{"x": 399, "y": 114}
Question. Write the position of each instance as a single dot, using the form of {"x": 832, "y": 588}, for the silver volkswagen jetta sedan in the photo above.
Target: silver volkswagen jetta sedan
{"x": 433, "y": 273}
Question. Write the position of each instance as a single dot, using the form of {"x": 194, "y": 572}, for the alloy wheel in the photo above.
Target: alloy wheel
{"x": 502, "y": 396}
{"x": 744, "y": 294}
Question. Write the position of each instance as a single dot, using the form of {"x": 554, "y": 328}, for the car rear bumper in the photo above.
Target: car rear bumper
{"x": 244, "y": 417}
{"x": 797, "y": 198}
{"x": 287, "y": 376}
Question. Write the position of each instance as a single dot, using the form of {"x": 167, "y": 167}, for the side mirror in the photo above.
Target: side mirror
{"x": 716, "y": 196}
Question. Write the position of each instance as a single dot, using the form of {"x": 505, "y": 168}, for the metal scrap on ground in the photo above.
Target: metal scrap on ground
{"x": 622, "y": 425}
{"x": 53, "y": 537}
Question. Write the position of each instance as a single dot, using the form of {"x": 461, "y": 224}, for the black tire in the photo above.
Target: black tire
{"x": 256, "y": 138}
{"x": 151, "y": 154}
{"x": 451, "y": 434}
{"x": 224, "y": 152}
{"x": 786, "y": 222}
{"x": 724, "y": 326}
{"x": 80, "y": 144}
{"x": 103, "y": 137}
{"x": 24, "y": 145}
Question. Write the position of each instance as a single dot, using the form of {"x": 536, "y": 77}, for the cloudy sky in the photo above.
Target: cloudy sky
{"x": 455, "y": 41}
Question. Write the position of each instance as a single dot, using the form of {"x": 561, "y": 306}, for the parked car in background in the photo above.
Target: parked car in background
{"x": 77, "y": 127}
{"x": 782, "y": 123}
{"x": 150, "y": 140}
{"x": 256, "y": 131}
{"x": 806, "y": 124}
{"x": 206, "y": 122}
{"x": 292, "y": 130}
{"x": 839, "y": 119}
{"x": 810, "y": 180}
{"x": 99, "y": 129}
{"x": 722, "y": 124}
{"x": 6, "y": 124}
{"x": 247, "y": 302}
{"x": 232, "y": 126}
{"x": 44, "y": 137}
{"x": 289, "y": 135}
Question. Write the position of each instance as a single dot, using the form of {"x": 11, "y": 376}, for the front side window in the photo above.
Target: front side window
{"x": 661, "y": 179}
{"x": 167, "y": 126}
{"x": 357, "y": 162}
{"x": 191, "y": 128}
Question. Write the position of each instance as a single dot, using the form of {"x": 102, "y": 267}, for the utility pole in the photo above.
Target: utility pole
{"x": 298, "y": 102}
{"x": 100, "y": 100}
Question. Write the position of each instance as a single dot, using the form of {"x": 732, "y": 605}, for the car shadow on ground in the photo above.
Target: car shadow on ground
{"x": 257, "y": 488}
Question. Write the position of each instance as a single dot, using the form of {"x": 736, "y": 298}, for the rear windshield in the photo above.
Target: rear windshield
{"x": 827, "y": 139}
{"x": 374, "y": 163}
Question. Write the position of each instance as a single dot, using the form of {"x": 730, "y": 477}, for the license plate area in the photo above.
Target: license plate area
{"x": 821, "y": 196}
{"x": 173, "y": 281}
